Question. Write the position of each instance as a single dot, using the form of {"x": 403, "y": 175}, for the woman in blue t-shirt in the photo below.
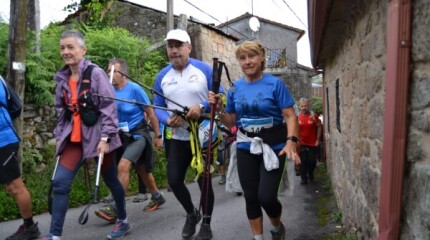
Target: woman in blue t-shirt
{"x": 258, "y": 103}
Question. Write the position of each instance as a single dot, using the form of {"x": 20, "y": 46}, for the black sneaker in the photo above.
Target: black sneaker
{"x": 25, "y": 233}
{"x": 279, "y": 235}
{"x": 205, "y": 232}
{"x": 190, "y": 224}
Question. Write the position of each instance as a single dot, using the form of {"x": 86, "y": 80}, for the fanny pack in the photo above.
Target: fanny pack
{"x": 274, "y": 135}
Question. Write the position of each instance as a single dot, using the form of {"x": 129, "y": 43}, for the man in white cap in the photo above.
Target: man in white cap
{"x": 187, "y": 81}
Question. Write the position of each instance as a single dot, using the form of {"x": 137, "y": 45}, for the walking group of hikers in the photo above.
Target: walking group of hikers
{"x": 111, "y": 125}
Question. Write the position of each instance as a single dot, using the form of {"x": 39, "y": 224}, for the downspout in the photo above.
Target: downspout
{"x": 399, "y": 17}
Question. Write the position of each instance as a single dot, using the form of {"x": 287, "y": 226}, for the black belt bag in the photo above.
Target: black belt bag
{"x": 270, "y": 136}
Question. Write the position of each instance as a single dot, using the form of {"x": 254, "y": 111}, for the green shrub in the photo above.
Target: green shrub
{"x": 316, "y": 104}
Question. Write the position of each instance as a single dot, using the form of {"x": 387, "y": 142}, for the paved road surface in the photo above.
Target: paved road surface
{"x": 229, "y": 220}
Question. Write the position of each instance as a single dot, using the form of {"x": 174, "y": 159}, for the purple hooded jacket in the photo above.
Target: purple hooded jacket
{"x": 107, "y": 123}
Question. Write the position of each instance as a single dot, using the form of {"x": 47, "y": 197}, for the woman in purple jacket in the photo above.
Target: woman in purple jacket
{"x": 79, "y": 139}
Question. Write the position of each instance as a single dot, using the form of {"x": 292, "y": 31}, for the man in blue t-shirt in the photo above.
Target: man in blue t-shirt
{"x": 10, "y": 172}
{"x": 136, "y": 140}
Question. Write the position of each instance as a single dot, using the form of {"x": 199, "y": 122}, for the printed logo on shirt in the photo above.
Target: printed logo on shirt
{"x": 193, "y": 78}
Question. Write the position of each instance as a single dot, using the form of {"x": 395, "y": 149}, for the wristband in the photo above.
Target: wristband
{"x": 293, "y": 139}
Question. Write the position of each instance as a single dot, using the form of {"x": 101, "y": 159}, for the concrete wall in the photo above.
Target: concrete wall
{"x": 354, "y": 117}
{"x": 416, "y": 210}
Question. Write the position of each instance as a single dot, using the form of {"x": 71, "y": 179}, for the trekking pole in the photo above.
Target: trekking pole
{"x": 83, "y": 218}
{"x": 216, "y": 82}
{"x": 52, "y": 186}
{"x": 176, "y": 111}
{"x": 153, "y": 91}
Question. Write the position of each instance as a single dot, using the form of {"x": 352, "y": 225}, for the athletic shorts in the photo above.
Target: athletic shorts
{"x": 9, "y": 164}
{"x": 134, "y": 151}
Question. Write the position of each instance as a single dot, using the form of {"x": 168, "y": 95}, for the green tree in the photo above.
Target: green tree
{"x": 316, "y": 104}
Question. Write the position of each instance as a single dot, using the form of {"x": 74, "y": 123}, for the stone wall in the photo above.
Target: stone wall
{"x": 39, "y": 123}
{"x": 354, "y": 110}
{"x": 208, "y": 44}
{"x": 416, "y": 210}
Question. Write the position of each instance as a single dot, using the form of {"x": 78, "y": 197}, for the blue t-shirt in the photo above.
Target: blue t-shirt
{"x": 260, "y": 101}
{"x": 7, "y": 134}
{"x": 131, "y": 113}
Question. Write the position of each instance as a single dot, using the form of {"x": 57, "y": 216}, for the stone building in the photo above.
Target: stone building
{"x": 375, "y": 58}
{"x": 280, "y": 41}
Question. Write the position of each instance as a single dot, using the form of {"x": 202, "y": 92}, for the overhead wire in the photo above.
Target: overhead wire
{"x": 244, "y": 35}
{"x": 295, "y": 14}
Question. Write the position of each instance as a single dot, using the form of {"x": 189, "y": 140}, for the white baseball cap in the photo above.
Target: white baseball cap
{"x": 178, "y": 34}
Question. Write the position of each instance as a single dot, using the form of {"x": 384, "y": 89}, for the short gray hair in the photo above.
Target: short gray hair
{"x": 122, "y": 63}
{"x": 75, "y": 34}
{"x": 304, "y": 100}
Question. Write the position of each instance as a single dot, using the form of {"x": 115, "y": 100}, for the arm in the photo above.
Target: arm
{"x": 228, "y": 119}
{"x": 292, "y": 130}
{"x": 319, "y": 131}
{"x": 107, "y": 108}
{"x": 154, "y": 122}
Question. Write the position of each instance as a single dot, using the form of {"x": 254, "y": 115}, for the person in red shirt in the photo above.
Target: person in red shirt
{"x": 309, "y": 135}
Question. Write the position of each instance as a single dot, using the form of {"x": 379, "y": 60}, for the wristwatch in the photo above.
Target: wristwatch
{"x": 160, "y": 136}
{"x": 202, "y": 107}
{"x": 293, "y": 139}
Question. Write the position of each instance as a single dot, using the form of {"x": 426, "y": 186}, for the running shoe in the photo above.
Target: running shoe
{"x": 155, "y": 203}
{"x": 141, "y": 197}
{"x": 205, "y": 232}
{"x": 51, "y": 237}
{"x": 25, "y": 233}
{"x": 119, "y": 230}
{"x": 107, "y": 213}
{"x": 190, "y": 224}
{"x": 279, "y": 235}
{"x": 222, "y": 180}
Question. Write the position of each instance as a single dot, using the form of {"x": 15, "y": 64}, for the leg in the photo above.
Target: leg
{"x": 110, "y": 177}
{"x": 248, "y": 166}
{"x": 179, "y": 159}
{"x": 177, "y": 164}
{"x": 10, "y": 175}
{"x": 157, "y": 198}
{"x": 305, "y": 164}
{"x": 268, "y": 196}
{"x": 68, "y": 166}
{"x": 124, "y": 172}
{"x": 312, "y": 162}
{"x": 22, "y": 197}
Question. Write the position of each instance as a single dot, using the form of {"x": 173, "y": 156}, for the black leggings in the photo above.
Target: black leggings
{"x": 179, "y": 160}
{"x": 260, "y": 187}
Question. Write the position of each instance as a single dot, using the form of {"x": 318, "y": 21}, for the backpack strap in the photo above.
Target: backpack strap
{"x": 86, "y": 80}
{"x": 6, "y": 91}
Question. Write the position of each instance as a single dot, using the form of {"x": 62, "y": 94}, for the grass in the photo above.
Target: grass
{"x": 38, "y": 168}
{"x": 328, "y": 213}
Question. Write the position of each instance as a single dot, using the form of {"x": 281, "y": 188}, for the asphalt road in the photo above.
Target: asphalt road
{"x": 229, "y": 220}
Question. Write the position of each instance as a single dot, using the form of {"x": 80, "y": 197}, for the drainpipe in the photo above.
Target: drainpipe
{"x": 397, "y": 75}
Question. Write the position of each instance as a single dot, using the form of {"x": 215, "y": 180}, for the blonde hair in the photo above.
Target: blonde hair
{"x": 252, "y": 47}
